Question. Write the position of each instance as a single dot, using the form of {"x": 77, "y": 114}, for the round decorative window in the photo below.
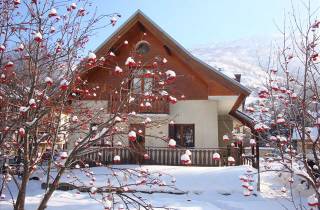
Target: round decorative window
{"x": 142, "y": 47}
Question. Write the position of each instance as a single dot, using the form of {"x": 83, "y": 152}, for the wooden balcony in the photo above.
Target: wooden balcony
{"x": 165, "y": 156}
{"x": 157, "y": 106}
{"x": 103, "y": 92}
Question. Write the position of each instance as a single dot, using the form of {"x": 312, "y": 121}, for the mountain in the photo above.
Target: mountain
{"x": 246, "y": 57}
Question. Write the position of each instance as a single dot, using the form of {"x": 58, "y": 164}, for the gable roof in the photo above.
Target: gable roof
{"x": 207, "y": 72}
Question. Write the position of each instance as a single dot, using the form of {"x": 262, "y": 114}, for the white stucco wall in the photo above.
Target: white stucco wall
{"x": 202, "y": 113}
{"x": 95, "y": 106}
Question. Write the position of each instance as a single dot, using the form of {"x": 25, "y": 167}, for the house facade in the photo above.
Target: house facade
{"x": 210, "y": 99}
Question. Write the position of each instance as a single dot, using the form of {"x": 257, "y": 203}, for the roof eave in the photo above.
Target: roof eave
{"x": 243, "y": 118}
{"x": 236, "y": 86}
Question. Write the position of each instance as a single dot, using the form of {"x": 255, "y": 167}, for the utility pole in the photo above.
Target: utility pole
{"x": 258, "y": 162}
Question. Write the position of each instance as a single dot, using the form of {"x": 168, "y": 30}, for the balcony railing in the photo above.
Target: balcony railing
{"x": 98, "y": 91}
{"x": 159, "y": 106}
{"x": 165, "y": 156}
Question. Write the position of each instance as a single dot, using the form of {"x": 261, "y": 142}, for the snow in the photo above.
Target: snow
{"x": 244, "y": 56}
{"x": 231, "y": 159}
{"x": 216, "y": 156}
{"x": 117, "y": 119}
{"x": 38, "y": 37}
{"x": 188, "y": 152}
{"x": 164, "y": 60}
{"x": 22, "y": 131}
{"x": 170, "y": 74}
{"x": 53, "y": 12}
{"x": 118, "y": 69}
{"x": 252, "y": 141}
{"x": 313, "y": 200}
{"x": 185, "y": 158}
{"x": 48, "y": 80}
{"x": 63, "y": 155}
{"x": 208, "y": 188}
{"x": 23, "y": 109}
{"x": 100, "y": 134}
{"x": 31, "y": 122}
{"x": 92, "y": 57}
{"x": 75, "y": 118}
{"x": 248, "y": 57}
{"x": 132, "y": 135}
{"x": 52, "y": 29}
{"x": 164, "y": 93}
{"x": 32, "y": 101}
{"x": 172, "y": 143}
{"x": 147, "y": 120}
{"x": 129, "y": 60}
{"x": 73, "y": 5}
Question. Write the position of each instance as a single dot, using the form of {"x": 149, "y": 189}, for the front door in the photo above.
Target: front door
{"x": 137, "y": 147}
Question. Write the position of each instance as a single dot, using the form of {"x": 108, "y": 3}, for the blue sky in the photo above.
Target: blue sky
{"x": 197, "y": 22}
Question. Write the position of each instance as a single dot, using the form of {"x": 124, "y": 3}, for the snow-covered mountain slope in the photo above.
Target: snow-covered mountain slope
{"x": 247, "y": 57}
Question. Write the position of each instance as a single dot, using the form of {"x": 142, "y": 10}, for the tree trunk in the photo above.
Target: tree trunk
{"x": 49, "y": 192}
{"x": 25, "y": 178}
{"x": 20, "y": 202}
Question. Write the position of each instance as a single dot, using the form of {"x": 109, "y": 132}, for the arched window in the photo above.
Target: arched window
{"x": 142, "y": 47}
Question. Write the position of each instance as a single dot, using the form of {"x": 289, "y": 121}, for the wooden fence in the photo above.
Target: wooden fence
{"x": 166, "y": 156}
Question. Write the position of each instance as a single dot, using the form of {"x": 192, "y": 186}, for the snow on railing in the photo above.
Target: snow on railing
{"x": 166, "y": 156}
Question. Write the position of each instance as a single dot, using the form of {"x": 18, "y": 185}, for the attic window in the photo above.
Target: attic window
{"x": 142, "y": 47}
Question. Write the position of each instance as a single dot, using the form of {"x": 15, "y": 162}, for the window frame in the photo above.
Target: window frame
{"x": 181, "y": 127}
{"x": 142, "y": 82}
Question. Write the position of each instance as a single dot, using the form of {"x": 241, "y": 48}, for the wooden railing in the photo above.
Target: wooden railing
{"x": 165, "y": 156}
{"x": 103, "y": 92}
{"x": 248, "y": 160}
{"x": 98, "y": 91}
{"x": 157, "y": 106}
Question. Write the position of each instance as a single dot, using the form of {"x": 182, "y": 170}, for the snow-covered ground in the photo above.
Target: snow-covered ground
{"x": 208, "y": 188}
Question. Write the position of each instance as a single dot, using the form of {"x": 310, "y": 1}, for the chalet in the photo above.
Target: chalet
{"x": 212, "y": 100}
{"x": 312, "y": 134}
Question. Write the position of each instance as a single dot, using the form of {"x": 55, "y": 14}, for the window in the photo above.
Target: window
{"x": 143, "y": 47}
{"x": 183, "y": 134}
{"x": 142, "y": 83}
{"x": 136, "y": 85}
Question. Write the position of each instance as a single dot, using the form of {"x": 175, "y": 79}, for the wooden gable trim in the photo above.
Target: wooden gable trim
{"x": 200, "y": 69}
{"x": 240, "y": 116}
{"x": 238, "y": 102}
{"x": 115, "y": 36}
{"x": 243, "y": 118}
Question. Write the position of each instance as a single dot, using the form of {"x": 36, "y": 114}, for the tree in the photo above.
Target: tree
{"x": 42, "y": 61}
{"x": 288, "y": 105}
